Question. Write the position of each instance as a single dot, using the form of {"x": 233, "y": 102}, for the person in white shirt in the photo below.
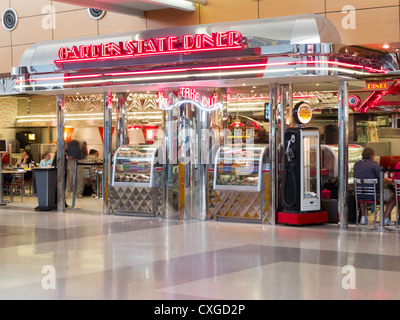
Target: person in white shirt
{"x": 47, "y": 161}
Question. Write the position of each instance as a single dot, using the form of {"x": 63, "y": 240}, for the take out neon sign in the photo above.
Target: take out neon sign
{"x": 153, "y": 46}
{"x": 189, "y": 95}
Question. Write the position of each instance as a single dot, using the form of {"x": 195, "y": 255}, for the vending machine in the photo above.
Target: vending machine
{"x": 301, "y": 192}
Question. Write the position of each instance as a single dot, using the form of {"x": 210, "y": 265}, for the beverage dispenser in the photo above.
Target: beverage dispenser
{"x": 302, "y": 173}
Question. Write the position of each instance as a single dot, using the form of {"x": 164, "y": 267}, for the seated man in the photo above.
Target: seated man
{"x": 367, "y": 168}
{"x": 90, "y": 177}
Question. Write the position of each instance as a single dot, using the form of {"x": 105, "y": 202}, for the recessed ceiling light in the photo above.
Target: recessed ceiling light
{"x": 386, "y": 46}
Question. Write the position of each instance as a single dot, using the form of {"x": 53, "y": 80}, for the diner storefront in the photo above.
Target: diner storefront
{"x": 214, "y": 87}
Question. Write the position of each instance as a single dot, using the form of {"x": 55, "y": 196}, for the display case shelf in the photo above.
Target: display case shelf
{"x": 134, "y": 165}
{"x": 239, "y": 168}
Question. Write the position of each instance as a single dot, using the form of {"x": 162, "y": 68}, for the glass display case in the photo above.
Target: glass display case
{"x": 134, "y": 166}
{"x": 330, "y": 161}
{"x": 239, "y": 168}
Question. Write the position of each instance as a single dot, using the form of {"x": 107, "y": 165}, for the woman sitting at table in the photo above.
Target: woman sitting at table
{"x": 47, "y": 161}
{"x": 25, "y": 160}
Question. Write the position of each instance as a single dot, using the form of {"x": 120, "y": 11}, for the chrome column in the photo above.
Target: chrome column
{"x": 284, "y": 102}
{"x": 120, "y": 120}
{"x": 343, "y": 119}
{"x": 273, "y": 153}
{"x": 171, "y": 167}
{"x": 107, "y": 154}
{"x": 60, "y": 154}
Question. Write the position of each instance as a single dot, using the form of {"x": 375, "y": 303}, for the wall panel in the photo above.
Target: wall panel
{"x": 372, "y": 26}
{"x": 289, "y": 7}
{"x": 115, "y": 23}
{"x": 232, "y": 10}
{"x": 5, "y": 37}
{"x": 17, "y": 52}
{"x": 30, "y": 30}
{"x": 5, "y": 61}
{"x": 72, "y": 24}
{"x": 168, "y": 18}
{"x": 28, "y": 8}
{"x": 337, "y": 5}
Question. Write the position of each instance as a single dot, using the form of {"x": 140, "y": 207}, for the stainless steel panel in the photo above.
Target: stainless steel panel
{"x": 343, "y": 118}
{"x": 60, "y": 154}
{"x": 107, "y": 150}
{"x": 137, "y": 200}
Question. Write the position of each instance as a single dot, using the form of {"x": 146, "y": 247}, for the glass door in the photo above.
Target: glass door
{"x": 310, "y": 180}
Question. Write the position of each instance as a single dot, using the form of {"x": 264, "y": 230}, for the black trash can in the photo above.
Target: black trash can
{"x": 46, "y": 186}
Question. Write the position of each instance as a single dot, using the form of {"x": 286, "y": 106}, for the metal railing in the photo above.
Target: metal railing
{"x": 87, "y": 165}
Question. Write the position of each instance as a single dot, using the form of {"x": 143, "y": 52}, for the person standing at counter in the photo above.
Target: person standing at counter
{"x": 367, "y": 168}
{"x": 74, "y": 153}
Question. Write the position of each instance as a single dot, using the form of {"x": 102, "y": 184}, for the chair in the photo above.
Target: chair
{"x": 16, "y": 184}
{"x": 366, "y": 193}
{"x": 397, "y": 195}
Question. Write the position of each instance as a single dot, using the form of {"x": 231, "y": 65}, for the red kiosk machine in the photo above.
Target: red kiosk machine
{"x": 302, "y": 183}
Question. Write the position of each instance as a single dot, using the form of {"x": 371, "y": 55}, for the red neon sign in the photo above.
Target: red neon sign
{"x": 190, "y": 94}
{"x": 193, "y": 94}
{"x": 143, "y": 47}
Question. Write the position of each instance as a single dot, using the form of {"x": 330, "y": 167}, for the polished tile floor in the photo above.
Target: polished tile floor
{"x": 83, "y": 254}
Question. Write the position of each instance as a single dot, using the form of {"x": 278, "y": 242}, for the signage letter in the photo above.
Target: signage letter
{"x": 84, "y": 51}
{"x": 139, "y": 46}
{"x": 130, "y": 46}
{"x": 188, "y": 41}
{"x": 234, "y": 38}
{"x": 116, "y": 49}
{"x": 105, "y": 49}
{"x": 220, "y": 39}
{"x": 94, "y": 50}
{"x": 151, "y": 47}
{"x": 63, "y": 53}
{"x": 160, "y": 43}
{"x": 172, "y": 43}
{"x": 74, "y": 54}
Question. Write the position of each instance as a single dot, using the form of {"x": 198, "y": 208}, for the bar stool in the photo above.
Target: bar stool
{"x": 397, "y": 195}
{"x": 366, "y": 193}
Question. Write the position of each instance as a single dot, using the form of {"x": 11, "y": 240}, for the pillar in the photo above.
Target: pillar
{"x": 120, "y": 120}
{"x": 343, "y": 120}
{"x": 107, "y": 153}
{"x": 60, "y": 154}
{"x": 273, "y": 153}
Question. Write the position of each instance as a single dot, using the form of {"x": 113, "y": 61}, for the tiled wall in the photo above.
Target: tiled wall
{"x": 376, "y": 21}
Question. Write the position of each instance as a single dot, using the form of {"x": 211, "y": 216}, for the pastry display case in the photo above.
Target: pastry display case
{"x": 239, "y": 184}
{"x": 330, "y": 156}
{"x": 134, "y": 166}
{"x": 137, "y": 180}
{"x": 239, "y": 168}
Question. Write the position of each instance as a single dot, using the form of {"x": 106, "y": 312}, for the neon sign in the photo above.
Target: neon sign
{"x": 192, "y": 96}
{"x": 144, "y": 47}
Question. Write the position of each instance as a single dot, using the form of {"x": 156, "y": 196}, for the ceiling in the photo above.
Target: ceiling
{"x": 136, "y": 7}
